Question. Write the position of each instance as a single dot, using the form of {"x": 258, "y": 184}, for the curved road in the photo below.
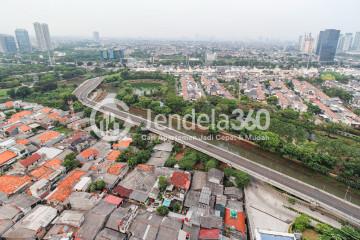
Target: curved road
{"x": 330, "y": 203}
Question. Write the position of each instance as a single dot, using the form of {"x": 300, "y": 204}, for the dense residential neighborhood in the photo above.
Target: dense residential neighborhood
{"x": 178, "y": 120}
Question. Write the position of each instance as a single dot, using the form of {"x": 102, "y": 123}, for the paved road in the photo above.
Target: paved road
{"x": 339, "y": 207}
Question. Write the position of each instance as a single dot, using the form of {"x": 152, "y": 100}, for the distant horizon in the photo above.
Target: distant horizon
{"x": 229, "y": 20}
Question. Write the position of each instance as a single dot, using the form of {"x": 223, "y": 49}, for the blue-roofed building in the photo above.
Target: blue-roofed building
{"x": 271, "y": 235}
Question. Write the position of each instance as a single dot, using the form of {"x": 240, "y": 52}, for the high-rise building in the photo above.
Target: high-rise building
{"x": 23, "y": 40}
{"x": 96, "y": 36}
{"x": 7, "y": 44}
{"x": 327, "y": 45}
{"x": 113, "y": 54}
{"x": 306, "y": 43}
{"x": 301, "y": 43}
{"x": 345, "y": 42}
{"x": 356, "y": 43}
{"x": 43, "y": 36}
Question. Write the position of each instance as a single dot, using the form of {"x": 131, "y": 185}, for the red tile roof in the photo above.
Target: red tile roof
{"x": 17, "y": 116}
{"x": 24, "y": 128}
{"x": 48, "y": 136}
{"x": 115, "y": 169}
{"x": 44, "y": 171}
{"x": 123, "y": 143}
{"x": 180, "y": 180}
{"x": 9, "y": 104}
{"x": 113, "y": 200}
{"x": 209, "y": 233}
{"x": 122, "y": 191}
{"x": 6, "y": 156}
{"x": 22, "y": 141}
{"x": 238, "y": 223}
{"x": 90, "y": 152}
{"x": 64, "y": 188}
{"x": 10, "y": 184}
{"x": 30, "y": 160}
{"x": 145, "y": 167}
{"x": 113, "y": 155}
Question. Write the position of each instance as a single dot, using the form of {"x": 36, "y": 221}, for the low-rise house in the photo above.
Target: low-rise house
{"x": 49, "y": 152}
{"x": 94, "y": 221}
{"x": 121, "y": 218}
{"x": 24, "y": 202}
{"x": 113, "y": 200}
{"x": 65, "y": 187}
{"x": 205, "y": 196}
{"x": 122, "y": 144}
{"x": 170, "y": 228}
{"x": 109, "y": 234}
{"x": 51, "y": 170}
{"x": 209, "y": 234}
{"x": 70, "y": 218}
{"x": 234, "y": 222}
{"x": 8, "y": 216}
{"x": 10, "y": 185}
{"x": 47, "y": 138}
{"x": 58, "y": 231}
{"x": 7, "y": 158}
{"x": 220, "y": 204}
{"x": 234, "y": 193}
{"x": 215, "y": 176}
{"x": 83, "y": 201}
{"x": 88, "y": 155}
{"x": 34, "y": 225}
{"x": 150, "y": 222}
{"x": 83, "y": 185}
{"x": 113, "y": 155}
{"x": 198, "y": 180}
{"x": 140, "y": 181}
{"x": 78, "y": 141}
{"x": 181, "y": 180}
{"x": 40, "y": 188}
{"x": 30, "y": 162}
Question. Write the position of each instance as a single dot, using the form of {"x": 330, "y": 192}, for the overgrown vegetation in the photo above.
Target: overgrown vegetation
{"x": 70, "y": 162}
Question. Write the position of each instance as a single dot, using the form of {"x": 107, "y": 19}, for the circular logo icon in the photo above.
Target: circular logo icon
{"x": 106, "y": 127}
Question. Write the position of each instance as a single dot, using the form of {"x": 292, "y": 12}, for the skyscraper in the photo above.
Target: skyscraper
{"x": 345, "y": 42}
{"x": 96, "y": 36}
{"x": 23, "y": 40}
{"x": 42, "y": 36}
{"x": 327, "y": 45}
{"x": 356, "y": 43}
{"x": 306, "y": 43}
{"x": 7, "y": 44}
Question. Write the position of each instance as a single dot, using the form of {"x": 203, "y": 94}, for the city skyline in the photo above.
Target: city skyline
{"x": 216, "y": 21}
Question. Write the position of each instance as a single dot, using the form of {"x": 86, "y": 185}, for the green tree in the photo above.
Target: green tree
{"x": 163, "y": 183}
{"x": 301, "y": 223}
{"x": 162, "y": 210}
{"x": 70, "y": 162}
{"x": 212, "y": 163}
{"x": 100, "y": 185}
{"x": 176, "y": 207}
{"x": 23, "y": 92}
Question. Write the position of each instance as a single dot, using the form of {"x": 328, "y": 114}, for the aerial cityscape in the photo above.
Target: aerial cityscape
{"x": 180, "y": 120}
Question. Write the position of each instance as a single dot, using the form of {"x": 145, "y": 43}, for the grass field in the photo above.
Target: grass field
{"x": 145, "y": 84}
{"x": 3, "y": 93}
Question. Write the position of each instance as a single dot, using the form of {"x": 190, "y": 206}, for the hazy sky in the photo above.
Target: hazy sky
{"x": 217, "y": 19}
